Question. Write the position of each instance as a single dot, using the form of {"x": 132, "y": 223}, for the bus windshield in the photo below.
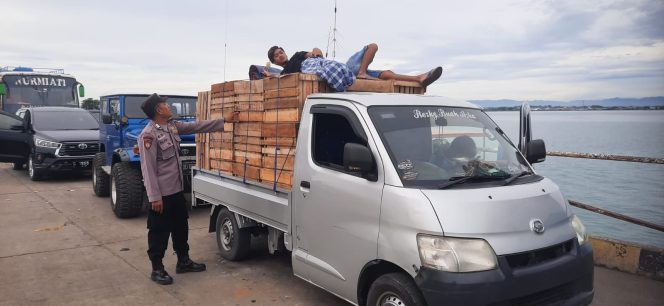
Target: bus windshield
{"x": 38, "y": 90}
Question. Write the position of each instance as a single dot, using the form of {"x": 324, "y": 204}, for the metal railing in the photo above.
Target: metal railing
{"x": 637, "y": 159}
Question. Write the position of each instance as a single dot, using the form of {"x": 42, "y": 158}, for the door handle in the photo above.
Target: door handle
{"x": 305, "y": 184}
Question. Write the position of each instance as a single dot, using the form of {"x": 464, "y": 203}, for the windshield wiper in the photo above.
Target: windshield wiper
{"x": 456, "y": 180}
{"x": 516, "y": 176}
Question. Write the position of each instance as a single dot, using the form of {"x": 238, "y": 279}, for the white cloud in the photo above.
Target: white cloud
{"x": 489, "y": 49}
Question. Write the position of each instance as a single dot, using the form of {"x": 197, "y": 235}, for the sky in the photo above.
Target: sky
{"x": 499, "y": 49}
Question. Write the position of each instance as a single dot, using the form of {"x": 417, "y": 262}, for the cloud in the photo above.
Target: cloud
{"x": 489, "y": 49}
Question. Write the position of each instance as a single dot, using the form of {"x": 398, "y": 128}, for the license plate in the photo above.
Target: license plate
{"x": 82, "y": 164}
{"x": 187, "y": 166}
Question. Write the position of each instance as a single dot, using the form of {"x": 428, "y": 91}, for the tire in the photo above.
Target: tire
{"x": 34, "y": 174}
{"x": 394, "y": 289}
{"x": 100, "y": 179}
{"x": 126, "y": 190}
{"x": 233, "y": 242}
{"x": 18, "y": 165}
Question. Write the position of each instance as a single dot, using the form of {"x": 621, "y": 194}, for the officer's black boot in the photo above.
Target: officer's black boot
{"x": 185, "y": 264}
{"x": 161, "y": 277}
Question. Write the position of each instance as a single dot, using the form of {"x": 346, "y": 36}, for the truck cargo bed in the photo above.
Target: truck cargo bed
{"x": 250, "y": 199}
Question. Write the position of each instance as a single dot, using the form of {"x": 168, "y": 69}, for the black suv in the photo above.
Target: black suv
{"x": 62, "y": 139}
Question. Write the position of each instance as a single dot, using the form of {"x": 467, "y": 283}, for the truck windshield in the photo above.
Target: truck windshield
{"x": 63, "y": 120}
{"x": 39, "y": 90}
{"x": 432, "y": 146}
{"x": 181, "y": 107}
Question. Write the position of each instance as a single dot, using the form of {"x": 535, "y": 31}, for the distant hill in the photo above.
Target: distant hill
{"x": 613, "y": 102}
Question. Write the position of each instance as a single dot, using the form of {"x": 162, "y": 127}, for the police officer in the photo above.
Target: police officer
{"x": 159, "y": 144}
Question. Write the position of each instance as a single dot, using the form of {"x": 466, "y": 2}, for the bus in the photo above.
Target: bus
{"x": 33, "y": 87}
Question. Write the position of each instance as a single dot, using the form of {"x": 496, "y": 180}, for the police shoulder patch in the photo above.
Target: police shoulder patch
{"x": 147, "y": 141}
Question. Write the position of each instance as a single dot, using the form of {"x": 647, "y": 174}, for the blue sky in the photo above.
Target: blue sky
{"x": 525, "y": 50}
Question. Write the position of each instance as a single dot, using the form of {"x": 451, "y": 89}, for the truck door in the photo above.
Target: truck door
{"x": 112, "y": 131}
{"x": 336, "y": 211}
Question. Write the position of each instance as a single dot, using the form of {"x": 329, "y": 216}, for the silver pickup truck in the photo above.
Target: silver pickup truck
{"x": 411, "y": 200}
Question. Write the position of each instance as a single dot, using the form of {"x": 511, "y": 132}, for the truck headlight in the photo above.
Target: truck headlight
{"x": 46, "y": 143}
{"x": 456, "y": 254}
{"x": 581, "y": 233}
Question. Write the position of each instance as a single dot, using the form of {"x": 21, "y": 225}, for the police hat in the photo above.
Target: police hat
{"x": 149, "y": 106}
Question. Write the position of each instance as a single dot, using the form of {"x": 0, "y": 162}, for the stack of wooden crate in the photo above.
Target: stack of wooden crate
{"x": 261, "y": 146}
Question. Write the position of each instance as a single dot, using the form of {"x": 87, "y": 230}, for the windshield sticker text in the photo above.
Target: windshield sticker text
{"x": 441, "y": 113}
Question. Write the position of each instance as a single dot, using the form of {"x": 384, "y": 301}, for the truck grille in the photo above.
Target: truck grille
{"x": 526, "y": 259}
{"x": 78, "y": 148}
{"x": 187, "y": 151}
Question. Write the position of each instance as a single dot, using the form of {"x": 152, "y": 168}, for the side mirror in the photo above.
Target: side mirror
{"x": 106, "y": 119}
{"x": 358, "y": 158}
{"x": 536, "y": 151}
{"x": 81, "y": 90}
{"x": 17, "y": 127}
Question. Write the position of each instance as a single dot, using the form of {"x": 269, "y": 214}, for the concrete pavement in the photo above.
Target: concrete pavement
{"x": 62, "y": 245}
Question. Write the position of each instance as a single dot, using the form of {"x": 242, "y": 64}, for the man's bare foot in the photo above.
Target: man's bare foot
{"x": 365, "y": 76}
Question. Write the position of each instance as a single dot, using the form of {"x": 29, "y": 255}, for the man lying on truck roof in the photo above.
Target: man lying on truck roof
{"x": 358, "y": 63}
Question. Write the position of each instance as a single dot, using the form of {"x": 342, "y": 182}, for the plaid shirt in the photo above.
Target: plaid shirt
{"x": 336, "y": 74}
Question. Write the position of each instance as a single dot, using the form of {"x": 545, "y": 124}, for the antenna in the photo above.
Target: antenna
{"x": 334, "y": 32}
{"x": 329, "y": 33}
{"x": 225, "y": 40}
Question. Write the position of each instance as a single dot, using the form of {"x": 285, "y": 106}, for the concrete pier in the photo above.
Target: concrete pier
{"x": 62, "y": 245}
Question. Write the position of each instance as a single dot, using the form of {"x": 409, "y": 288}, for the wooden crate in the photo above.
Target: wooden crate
{"x": 270, "y": 111}
{"x": 282, "y": 115}
{"x": 247, "y": 171}
{"x": 286, "y": 162}
{"x": 286, "y": 129}
{"x": 283, "y": 177}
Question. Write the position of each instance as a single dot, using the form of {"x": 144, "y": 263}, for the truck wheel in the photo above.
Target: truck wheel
{"x": 394, "y": 289}
{"x": 18, "y": 165}
{"x": 126, "y": 190}
{"x": 34, "y": 174}
{"x": 100, "y": 183}
{"x": 233, "y": 242}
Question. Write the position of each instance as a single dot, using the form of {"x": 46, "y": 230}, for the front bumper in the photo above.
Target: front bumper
{"x": 566, "y": 280}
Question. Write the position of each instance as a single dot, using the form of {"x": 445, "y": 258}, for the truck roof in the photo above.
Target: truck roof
{"x": 56, "y": 109}
{"x": 3, "y": 73}
{"x": 392, "y": 99}
{"x": 145, "y": 95}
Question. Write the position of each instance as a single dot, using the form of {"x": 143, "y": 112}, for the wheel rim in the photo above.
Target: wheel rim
{"x": 114, "y": 193}
{"x": 226, "y": 237}
{"x": 389, "y": 299}
{"x": 31, "y": 168}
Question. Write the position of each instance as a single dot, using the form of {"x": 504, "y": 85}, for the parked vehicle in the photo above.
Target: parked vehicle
{"x": 60, "y": 139}
{"x": 33, "y": 87}
{"x": 411, "y": 200}
{"x": 117, "y": 162}
{"x": 14, "y": 141}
